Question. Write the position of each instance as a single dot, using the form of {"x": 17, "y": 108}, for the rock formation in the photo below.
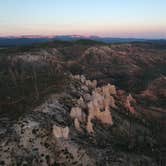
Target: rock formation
{"x": 77, "y": 121}
{"x": 88, "y": 83}
{"x": 77, "y": 113}
{"x": 99, "y": 105}
{"x": 61, "y": 132}
{"x": 129, "y": 101}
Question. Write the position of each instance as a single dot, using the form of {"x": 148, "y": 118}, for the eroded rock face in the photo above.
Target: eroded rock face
{"x": 87, "y": 83}
{"x": 129, "y": 101}
{"x": 67, "y": 129}
{"x": 76, "y": 112}
{"x": 99, "y": 108}
{"x": 61, "y": 132}
{"x": 98, "y": 105}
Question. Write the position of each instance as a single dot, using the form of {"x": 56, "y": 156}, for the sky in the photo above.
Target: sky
{"x": 109, "y": 18}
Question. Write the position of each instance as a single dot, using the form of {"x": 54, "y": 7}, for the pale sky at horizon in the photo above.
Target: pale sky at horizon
{"x": 113, "y": 18}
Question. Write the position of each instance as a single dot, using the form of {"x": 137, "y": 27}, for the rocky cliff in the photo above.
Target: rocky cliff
{"x": 83, "y": 125}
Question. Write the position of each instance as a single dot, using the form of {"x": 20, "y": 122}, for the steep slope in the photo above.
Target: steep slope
{"x": 85, "y": 125}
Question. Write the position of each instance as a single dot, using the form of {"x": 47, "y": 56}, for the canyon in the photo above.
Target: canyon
{"x": 83, "y": 103}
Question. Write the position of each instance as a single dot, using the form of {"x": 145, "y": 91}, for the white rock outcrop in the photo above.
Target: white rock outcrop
{"x": 98, "y": 104}
{"x": 99, "y": 108}
{"x": 61, "y": 132}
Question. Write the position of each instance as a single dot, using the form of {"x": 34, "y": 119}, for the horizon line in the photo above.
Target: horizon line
{"x": 78, "y": 36}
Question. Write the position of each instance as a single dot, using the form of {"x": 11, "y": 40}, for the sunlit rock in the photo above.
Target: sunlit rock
{"x": 76, "y": 112}
{"x": 129, "y": 101}
{"x": 99, "y": 109}
{"x": 98, "y": 104}
{"x": 60, "y": 132}
{"x": 91, "y": 84}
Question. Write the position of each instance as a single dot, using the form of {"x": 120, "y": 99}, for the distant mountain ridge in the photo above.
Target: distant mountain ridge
{"x": 30, "y": 39}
